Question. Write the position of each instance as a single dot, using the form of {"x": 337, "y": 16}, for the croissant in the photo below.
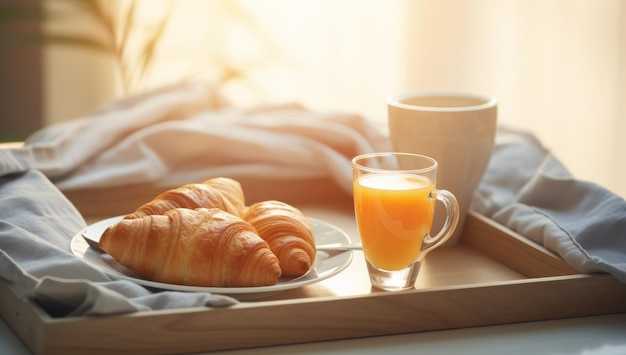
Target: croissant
{"x": 201, "y": 247}
{"x": 288, "y": 233}
{"x": 223, "y": 193}
{"x": 231, "y": 190}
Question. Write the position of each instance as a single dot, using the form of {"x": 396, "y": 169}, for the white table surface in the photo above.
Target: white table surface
{"x": 585, "y": 335}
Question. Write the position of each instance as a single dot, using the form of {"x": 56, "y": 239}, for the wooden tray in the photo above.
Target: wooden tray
{"x": 492, "y": 277}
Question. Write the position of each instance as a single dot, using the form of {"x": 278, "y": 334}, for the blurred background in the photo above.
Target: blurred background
{"x": 558, "y": 67}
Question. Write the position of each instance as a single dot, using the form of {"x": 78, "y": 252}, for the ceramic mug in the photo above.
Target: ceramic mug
{"x": 457, "y": 129}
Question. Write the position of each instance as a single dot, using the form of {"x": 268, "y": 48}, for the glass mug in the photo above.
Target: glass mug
{"x": 394, "y": 204}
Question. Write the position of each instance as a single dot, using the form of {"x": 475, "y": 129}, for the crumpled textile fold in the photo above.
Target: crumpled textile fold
{"x": 178, "y": 135}
{"x": 37, "y": 224}
{"x": 527, "y": 189}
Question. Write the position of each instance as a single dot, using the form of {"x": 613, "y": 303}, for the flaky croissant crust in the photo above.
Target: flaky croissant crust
{"x": 143, "y": 239}
{"x": 197, "y": 247}
{"x": 288, "y": 233}
{"x": 223, "y": 193}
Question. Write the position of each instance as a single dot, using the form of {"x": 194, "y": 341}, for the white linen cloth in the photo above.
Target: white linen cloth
{"x": 179, "y": 135}
{"x": 528, "y": 190}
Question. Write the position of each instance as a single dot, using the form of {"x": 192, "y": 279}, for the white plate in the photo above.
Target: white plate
{"x": 326, "y": 264}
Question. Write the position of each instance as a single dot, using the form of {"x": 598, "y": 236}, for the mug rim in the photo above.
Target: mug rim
{"x": 433, "y": 166}
{"x": 489, "y": 101}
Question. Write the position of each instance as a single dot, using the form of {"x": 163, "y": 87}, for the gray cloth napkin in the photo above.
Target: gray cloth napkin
{"x": 528, "y": 190}
{"x": 37, "y": 223}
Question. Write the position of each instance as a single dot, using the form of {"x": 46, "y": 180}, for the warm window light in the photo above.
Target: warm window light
{"x": 556, "y": 67}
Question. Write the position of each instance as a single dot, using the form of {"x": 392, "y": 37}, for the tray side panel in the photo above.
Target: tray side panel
{"x": 97, "y": 203}
{"x": 23, "y": 318}
{"x": 288, "y": 322}
{"x": 277, "y": 322}
{"x": 513, "y": 250}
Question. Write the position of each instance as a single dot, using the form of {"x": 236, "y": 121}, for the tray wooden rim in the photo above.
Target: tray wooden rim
{"x": 552, "y": 290}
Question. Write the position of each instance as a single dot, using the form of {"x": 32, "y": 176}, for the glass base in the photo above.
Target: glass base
{"x": 394, "y": 280}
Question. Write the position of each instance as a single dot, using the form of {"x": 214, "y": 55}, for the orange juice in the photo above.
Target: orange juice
{"x": 394, "y": 212}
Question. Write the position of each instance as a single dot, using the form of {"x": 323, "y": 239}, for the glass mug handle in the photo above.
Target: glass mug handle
{"x": 452, "y": 219}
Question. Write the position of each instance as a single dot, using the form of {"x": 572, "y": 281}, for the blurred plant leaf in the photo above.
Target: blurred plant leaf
{"x": 117, "y": 32}
{"x": 128, "y": 24}
{"x": 146, "y": 58}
